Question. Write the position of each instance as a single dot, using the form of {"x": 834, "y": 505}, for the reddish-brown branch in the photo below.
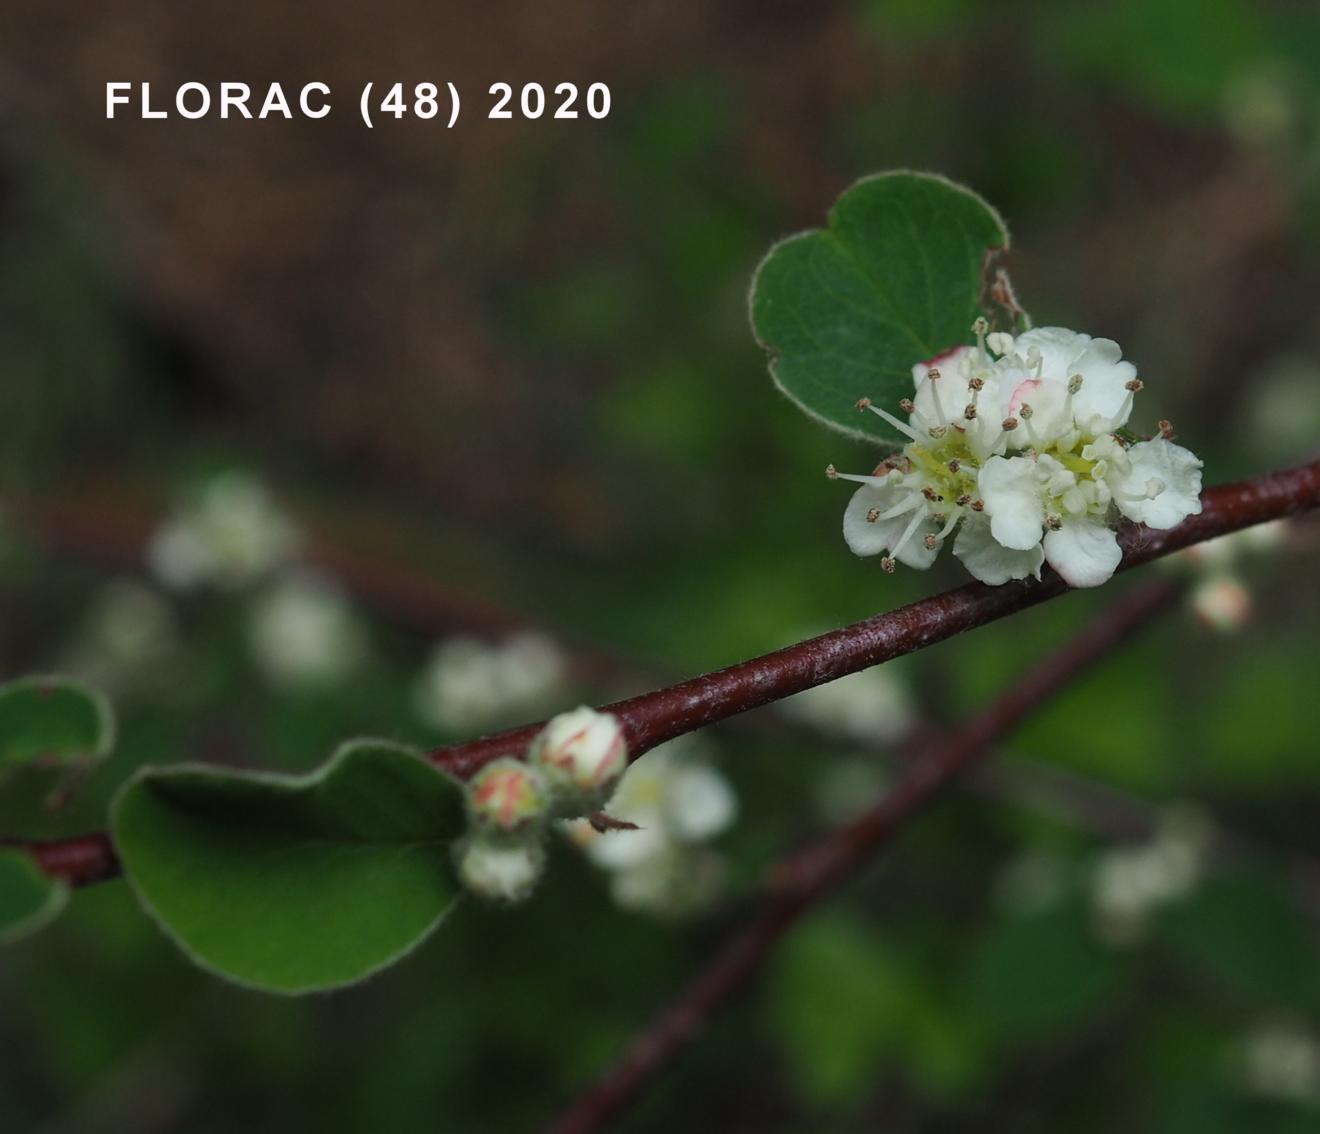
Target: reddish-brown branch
{"x": 655, "y": 717}
{"x": 804, "y": 878}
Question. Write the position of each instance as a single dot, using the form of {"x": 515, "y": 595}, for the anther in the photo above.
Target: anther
{"x": 931, "y": 495}
{"x": 940, "y": 517}
{"x": 863, "y": 403}
{"x": 938, "y": 431}
{"x": 980, "y": 326}
{"x": 1026, "y": 411}
{"x": 954, "y": 465}
{"x": 969, "y": 412}
{"x": 1008, "y": 424}
{"x": 887, "y": 565}
{"x": 905, "y": 404}
{"x": 1166, "y": 429}
{"x": 964, "y": 500}
{"x": 978, "y": 505}
{"x": 1053, "y": 522}
{"x": 1135, "y": 386}
{"x": 831, "y": 473}
{"x": 872, "y": 515}
{"x": 1074, "y": 383}
{"x": 933, "y": 374}
{"x": 930, "y": 541}
{"x": 977, "y": 384}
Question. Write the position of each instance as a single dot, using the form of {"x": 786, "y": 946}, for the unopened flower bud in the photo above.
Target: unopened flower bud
{"x": 582, "y": 751}
{"x": 1222, "y": 603}
{"x": 507, "y": 796}
{"x": 499, "y": 870}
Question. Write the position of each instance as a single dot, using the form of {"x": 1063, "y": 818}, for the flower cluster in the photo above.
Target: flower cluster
{"x": 1019, "y": 444}
{"x": 677, "y": 802}
{"x": 570, "y": 768}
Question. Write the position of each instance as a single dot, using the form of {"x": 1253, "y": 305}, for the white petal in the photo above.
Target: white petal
{"x": 1058, "y": 347}
{"x": 1010, "y": 487}
{"x": 865, "y": 537}
{"x": 701, "y": 804}
{"x": 989, "y": 560}
{"x": 1102, "y": 403}
{"x": 949, "y": 364}
{"x": 1170, "y": 465}
{"x": 1084, "y": 552}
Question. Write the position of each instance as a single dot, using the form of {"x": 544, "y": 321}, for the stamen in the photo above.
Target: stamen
{"x": 872, "y": 515}
{"x": 964, "y": 500}
{"x": 1135, "y": 386}
{"x": 938, "y": 431}
{"x": 1053, "y": 522}
{"x": 977, "y": 384}
{"x": 831, "y": 473}
{"x": 933, "y": 377}
{"x": 931, "y": 541}
{"x": 908, "y": 532}
{"x": 887, "y": 565}
{"x": 902, "y": 427}
{"x": 1009, "y": 424}
{"x": 905, "y": 404}
{"x": 978, "y": 505}
{"x": 1166, "y": 429}
{"x": 969, "y": 411}
{"x": 1074, "y": 383}
{"x": 949, "y": 525}
{"x": 954, "y": 465}
{"x": 931, "y": 495}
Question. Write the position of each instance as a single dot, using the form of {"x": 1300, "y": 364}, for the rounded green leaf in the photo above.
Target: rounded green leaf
{"x": 53, "y": 720}
{"x": 29, "y": 898}
{"x": 847, "y": 311}
{"x": 293, "y": 884}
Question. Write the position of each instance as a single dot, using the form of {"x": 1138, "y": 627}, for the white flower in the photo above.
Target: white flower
{"x": 470, "y": 684}
{"x": 500, "y": 870}
{"x": 304, "y": 633}
{"x": 583, "y": 753}
{"x": 129, "y": 634}
{"x": 1022, "y": 452}
{"x": 1222, "y": 603}
{"x": 1282, "y": 1060}
{"x": 229, "y": 535}
{"x": 1129, "y": 883}
{"x": 677, "y": 802}
{"x": 872, "y": 706}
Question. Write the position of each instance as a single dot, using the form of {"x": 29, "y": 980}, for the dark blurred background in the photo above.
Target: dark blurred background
{"x": 499, "y": 379}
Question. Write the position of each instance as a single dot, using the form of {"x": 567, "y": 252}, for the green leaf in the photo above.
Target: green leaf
{"x": 294, "y": 884}
{"x": 53, "y": 720}
{"x": 895, "y": 279}
{"x": 29, "y": 898}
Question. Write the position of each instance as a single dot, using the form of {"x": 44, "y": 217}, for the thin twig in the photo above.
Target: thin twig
{"x": 653, "y": 718}
{"x": 804, "y": 878}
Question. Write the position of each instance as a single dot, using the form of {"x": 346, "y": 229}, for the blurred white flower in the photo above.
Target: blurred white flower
{"x": 1282, "y": 1061}
{"x": 304, "y": 633}
{"x": 873, "y": 706}
{"x": 1218, "y": 596}
{"x": 1222, "y": 603}
{"x": 128, "y": 633}
{"x": 470, "y": 685}
{"x": 1131, "y": 883}
{"x": 230, "y": 534}
{"x": 498, "y": 870}
{"x": 678, "y": 801}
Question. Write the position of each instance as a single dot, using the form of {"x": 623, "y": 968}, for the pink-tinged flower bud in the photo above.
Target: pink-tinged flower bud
{"x": 1222, "y": 603}
{"x": 583, "y": 753}
{"x": 500, "y": 870}
{"x": 507, "y": 796}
